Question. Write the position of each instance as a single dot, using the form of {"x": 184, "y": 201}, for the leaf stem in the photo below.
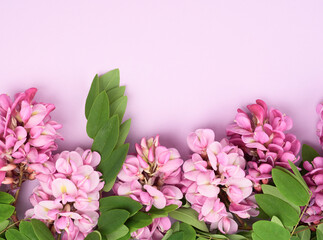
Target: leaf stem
{"x": 13, "y": 224}
{"x": 301, "y": 214}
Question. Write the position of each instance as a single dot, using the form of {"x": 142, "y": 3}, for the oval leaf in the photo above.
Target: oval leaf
{"x": 268, "y": 189}
{"x": 188, "y": 231}
{"x": 41, "y": 230}
{"x": 13, "y": 234}
{"x": 111, "y": 220}
{"x": 274, "y": 206}
{"x": 112, "y": 166}
{"x": 6, "y": 198}
{"x": 95, "y": 235}
{"x": 6, "y": 211}
{"x": 290, "y": 187}
{"x": 107, "y": 137}
{"x": 120, "y": 232}
{"x": 266, "y": 230}
{"x": 139, "y": 220}
{"x": 93, "y": 93}
{"x": 124, "y": 130}
{"x": 119, "y": 107}
{"x": 189, "y": 216}
{"x": 99, "y": 114}
{"x": 26, "y": 228}
{"x": 110, "y": 80}
{"x": 116, "y": 93}
{"x": 120, "y": 202}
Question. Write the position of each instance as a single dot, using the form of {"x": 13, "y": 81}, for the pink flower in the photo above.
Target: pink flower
{"x": 319, "y": 126}
{"x": 216, "y": 175}
{"x": 27, "y": 134}
{"x": 199, "y": 140}
{"x": 153, "y": 178}
{"x": 314, "y": 180}
{"x": 262, "y": 137}
{"x": 69, "y": 196}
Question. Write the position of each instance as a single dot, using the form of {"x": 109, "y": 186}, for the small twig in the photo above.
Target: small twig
{"x": 13, "y": 224}
{"x": 301, "y": 215}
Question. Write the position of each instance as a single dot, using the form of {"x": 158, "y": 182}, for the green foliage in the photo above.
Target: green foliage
{"x": 319, "y": 232}
{"x": 120, "y": 232}
{"x": 180, "y": 231}
{"x": 274, "y": 206}
{"x": 157, "y": 213}
{"x": 189, "y": 216}
{"x": 41, "y": 230}
{"x": 26, "y": 228}
{"x": 120, "y": 202}
{"x": 6, "y": 198}
{"x": 303, "y": 233}
{"x": 95, "y": 235}
{"x": 290, "y": 186}
{"x": 111, "y": 220}
{"x": 104, "y": 109}
{"x": 265, "y": 230}
{"x": 99, "y": 114}
{"x": 6, "y": 211}
{"x": 308, "y": 153}
{"x": 139, "y": 220}
{"x": 13, "y": 234}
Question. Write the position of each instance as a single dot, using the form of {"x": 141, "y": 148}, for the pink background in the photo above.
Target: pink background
{"x": 186, "y": 64}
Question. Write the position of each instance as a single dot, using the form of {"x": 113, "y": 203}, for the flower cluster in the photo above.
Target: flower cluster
{"x": 319, "y": 126}
{"x": 262, "y": 136}
{"x": 152, "y": 178}
{"x": 314, "y": 180}
{"x": 67, "y": 199}
{"x": 27, "y": 135}
{"x": 215, "y": 180}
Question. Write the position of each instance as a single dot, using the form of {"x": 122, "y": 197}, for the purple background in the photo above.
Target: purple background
{"x": 186, "y": 64}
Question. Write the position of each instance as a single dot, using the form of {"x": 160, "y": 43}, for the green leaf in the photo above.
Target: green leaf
{"x": 119, "y": 107}
{"x": 3, "y": 224}
{"x": 308, "y": 153}
{"x": 110, "y": 80}
{"x": 116, "y": 93}
{"x": 266, "y": 230}
{"x": 256, "y": 237}
{"x": 120, "y": 202}
{"x": 189, "y": 216}
{"x": 168, "y": 234}
{"x": 290, "y": 187}
{"x": 268, "y": 189}
{"x": 319, "y": 232}
{"x": 13, "y": 234}
{"x": 274, "y": 206}
{"x": 26, "y": 228}
{"x": 177, "y": 236}
{"x": 6, "y": 198}
{"x": 109, "y": 184}
{"x": 298, "y": 175}
{"x": 277, "y": 220}
{"x": 6, "y": 211}
{"x": 124, "y": 130}
{"x": 139, "y": 220}
{"x": 175, "y": 226}
{"x": 126, "y": 237}
{"x": 157, "y": 213}
{"x": 304, "y": 232}
{"x": 111, "y": 167}
{"x": 294, "y": 238}
{"x": 93, "y": 92}
{"x": 111, "y": 220}
{"x": 107, "y": 137}
{"x": 188, "y": 231}
{"x": 99, "y": 114}
{"x": 95, "y": 235}
{"x": 41, "y": 230}
{"x": 236, "y": 237}
{"x": 118, "y": 233}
